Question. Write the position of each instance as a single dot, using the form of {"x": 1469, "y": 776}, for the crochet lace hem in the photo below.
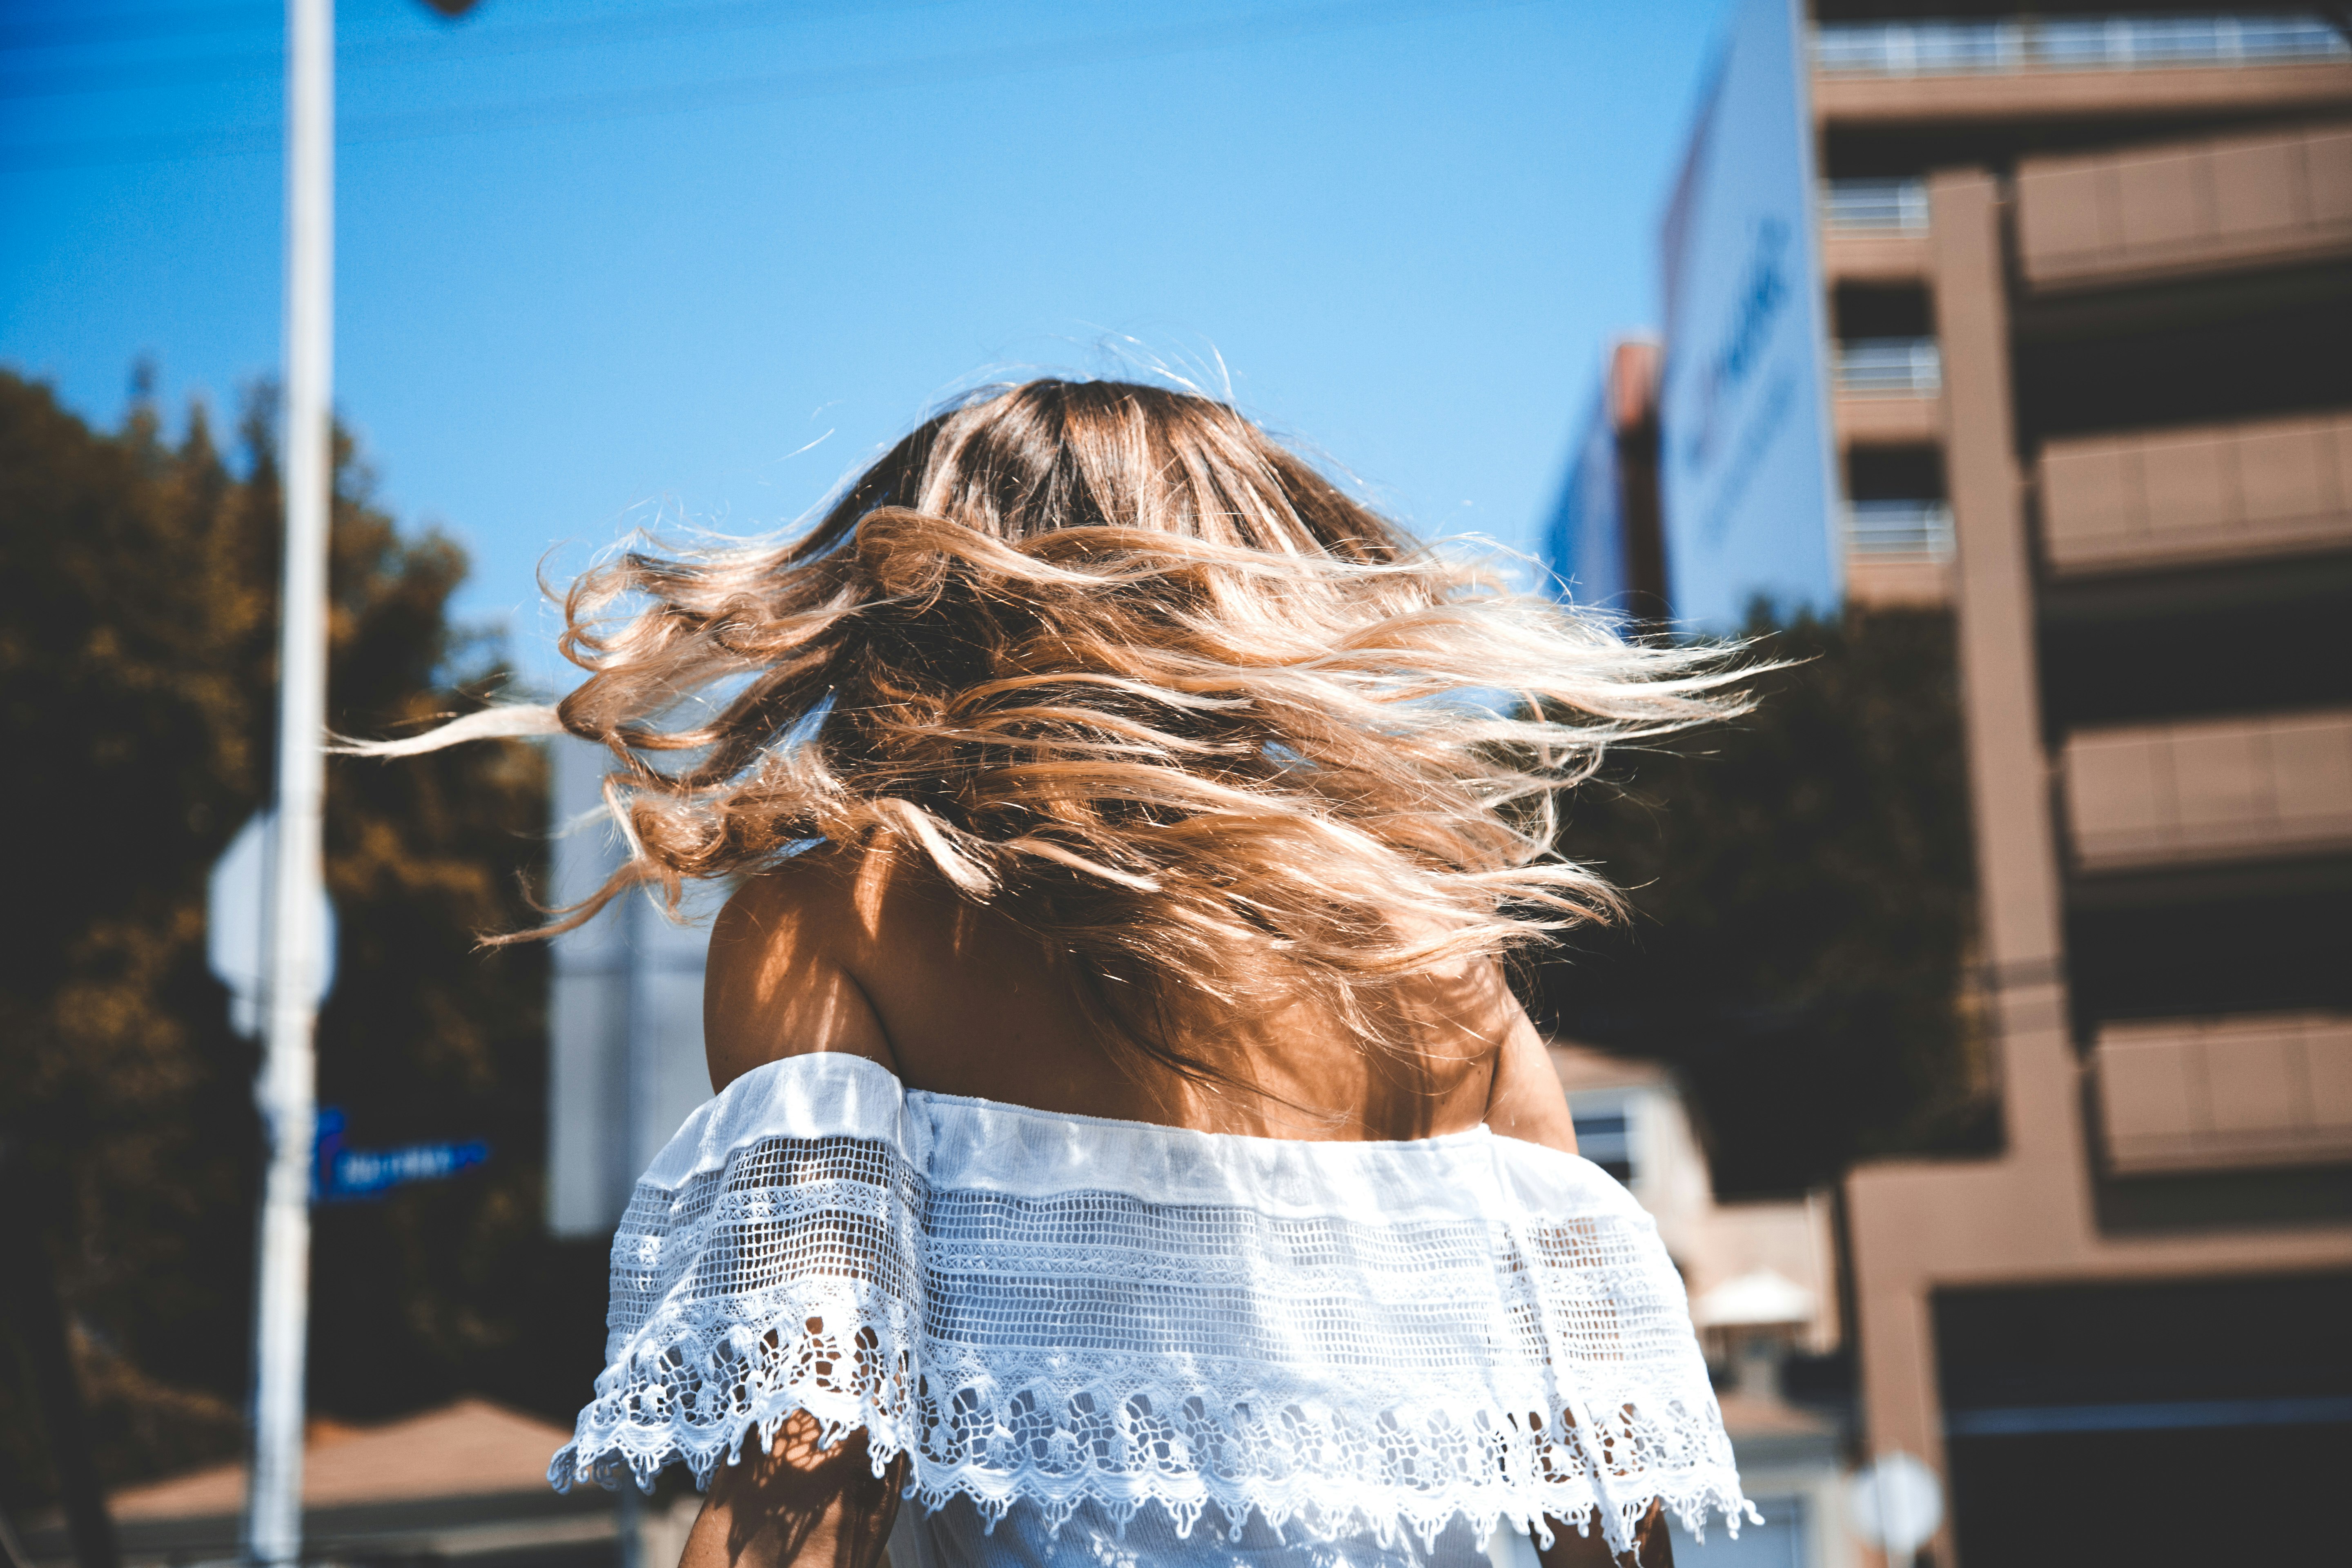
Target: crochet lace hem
{"x": 1326, "y": 1473}
{"x": 1056, "y": 1314}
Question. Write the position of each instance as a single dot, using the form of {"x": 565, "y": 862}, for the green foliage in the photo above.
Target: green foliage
{"x": 1803, "y": 892}
{"x": 137, "y": 650}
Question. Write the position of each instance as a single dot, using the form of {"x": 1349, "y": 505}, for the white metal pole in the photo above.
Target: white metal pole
{"x": 273, "y": 1525}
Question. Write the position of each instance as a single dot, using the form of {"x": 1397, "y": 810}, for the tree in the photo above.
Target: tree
{"x": 1802, "y": 909}
{"x": 137, "y": 647}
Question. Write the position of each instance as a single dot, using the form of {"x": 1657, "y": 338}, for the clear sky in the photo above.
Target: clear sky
{"x": 601, "y": 264}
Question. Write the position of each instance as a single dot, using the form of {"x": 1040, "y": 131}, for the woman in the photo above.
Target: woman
{"x": 1126, "y": 1149}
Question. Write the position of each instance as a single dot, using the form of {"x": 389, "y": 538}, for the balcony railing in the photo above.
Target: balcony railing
{"x": 1876, "y": 206}
{"x": 1892, "y": 531}
{"x": 2217, "y": 1093}
{"x": 2222, "y": 203}
{"x": 2254, "y": 788}
{"x": 1890, "y": 367}
{"x": 2077, "y": 43}
{"x": 2169, "y": 498}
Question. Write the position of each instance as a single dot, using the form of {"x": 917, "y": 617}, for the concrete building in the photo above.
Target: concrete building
{"x": 2091, "y": 284}
{"x": 1762, "y": 1279}
{"x": 1895, "y": 99}
{"x": 1602, "y": 542}
{"x": 626, "y": 1063}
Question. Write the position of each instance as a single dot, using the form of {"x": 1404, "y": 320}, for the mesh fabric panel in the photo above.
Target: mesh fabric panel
{"x": 1052, "y": 1314}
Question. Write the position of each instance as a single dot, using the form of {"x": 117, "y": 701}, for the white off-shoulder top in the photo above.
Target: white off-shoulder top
{"x": 1085, "y": 1335}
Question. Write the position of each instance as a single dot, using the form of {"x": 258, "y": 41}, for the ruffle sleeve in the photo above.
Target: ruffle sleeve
{"x": 768, "y": 1262}
{"x": 1055, "y": 1313}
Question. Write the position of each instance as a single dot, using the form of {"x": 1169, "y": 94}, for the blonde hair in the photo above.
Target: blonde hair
{"x": 1122, "y": 667}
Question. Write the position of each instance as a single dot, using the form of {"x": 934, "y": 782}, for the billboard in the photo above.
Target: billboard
{"x": 1748, "y": 468}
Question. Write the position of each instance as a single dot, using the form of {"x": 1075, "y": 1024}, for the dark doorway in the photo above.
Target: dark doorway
{"x": 2186, "y": 1422}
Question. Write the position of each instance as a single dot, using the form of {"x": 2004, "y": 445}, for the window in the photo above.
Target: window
{"x": 1606, "y": 1138}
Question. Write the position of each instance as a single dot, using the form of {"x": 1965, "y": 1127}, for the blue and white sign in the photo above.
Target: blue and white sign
{"x": 1748, "y": 463}
{"x": 346, "y": 1175}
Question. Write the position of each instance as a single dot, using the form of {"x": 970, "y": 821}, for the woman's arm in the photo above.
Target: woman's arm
{"x": 797, "y": 1506}
{"x": 776, "y": 987}
{"x": 778, "y": 983}
{"x": 1527, "y": 1102}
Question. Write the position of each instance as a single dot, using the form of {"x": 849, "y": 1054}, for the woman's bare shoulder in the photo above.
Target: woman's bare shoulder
{"x": 1526, "y": 1100}
{"x": 780, "y": 978}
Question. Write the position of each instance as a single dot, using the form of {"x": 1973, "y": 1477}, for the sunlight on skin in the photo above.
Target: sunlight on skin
{"x": 1653, "y": 1547}
{"x": 796, "y": 1504}
{"x": 878, "y": 960}
{"x": 879, "y": 964}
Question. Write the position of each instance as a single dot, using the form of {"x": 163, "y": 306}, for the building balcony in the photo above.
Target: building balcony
{"x": 1900, "y": 530}
{"x": 2177, "y": 497}
{"x": 1880, "y": 420}
{"x": 2258, "y": 787}
{"x": 2226, "y": 1093}
{"x": 1874, "y": 206}
{"x": 2068, "y": 44}
{"x": 1851, "y": 256}
{"x": 1875, "y": 231}
{"x": 1889, "y": 392}
{"x": 2185, "y": 210}
{"x": 2075, "y": 66}
{"x": 1898, "y": 551}
{"x": 1889, "y": 368}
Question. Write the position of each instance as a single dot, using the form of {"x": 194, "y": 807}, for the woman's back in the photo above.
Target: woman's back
{"x": 1057, "y": 1238}
{"x": 1077, "y": 1340}
{"x": 874, "y": 954}
{"x": 1119, "y": 1103}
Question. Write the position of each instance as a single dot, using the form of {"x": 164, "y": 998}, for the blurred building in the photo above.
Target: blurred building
{"x": 625, "y": 1011}
{"x": 1762, "y": 1279}
{"x": 1746, "y": 471}
{"x": 1604, "y": 542}
{"x": 2041, "y": 100}
{"x": 2091, "y": 287}
{"x": 2086, "y": 283}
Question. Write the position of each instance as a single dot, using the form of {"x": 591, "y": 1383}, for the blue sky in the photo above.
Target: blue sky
{"x": 601, "y": 264}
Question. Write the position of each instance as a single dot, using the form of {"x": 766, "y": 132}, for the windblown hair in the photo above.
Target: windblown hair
{"x": 1124, "y": 670}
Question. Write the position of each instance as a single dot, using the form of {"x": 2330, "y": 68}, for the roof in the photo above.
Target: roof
{"x": 1582, "y": 1068}
{"x": 1757, "y": 1299}
{"x": 472, "y": 1447}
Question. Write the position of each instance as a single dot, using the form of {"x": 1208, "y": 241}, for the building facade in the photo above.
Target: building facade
{"x": 624, "y": 1057}
{"x": 1762, "y": 1279}
{"x": 1602, "y": 543}
{"x": 2091, "y": 287}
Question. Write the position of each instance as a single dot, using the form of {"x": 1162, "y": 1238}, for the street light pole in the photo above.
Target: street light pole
{"x": 273, "y": 1519}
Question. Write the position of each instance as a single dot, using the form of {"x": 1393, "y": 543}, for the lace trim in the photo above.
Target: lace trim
{"x": 1506, "y": 1361}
